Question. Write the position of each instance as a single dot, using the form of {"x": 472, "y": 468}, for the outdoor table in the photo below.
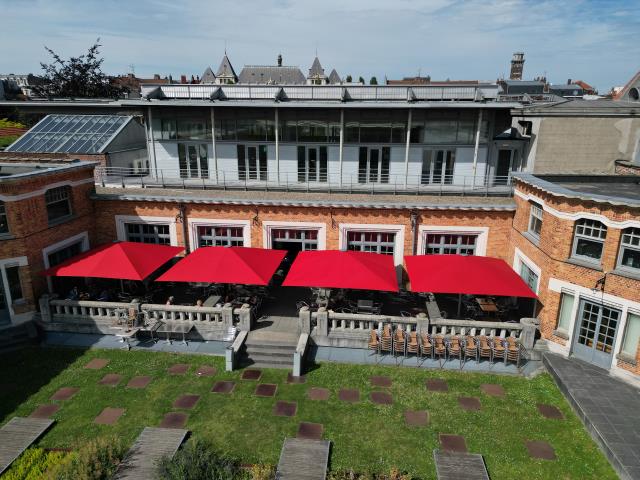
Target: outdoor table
{"x": 365, "y": 305}
{"x": 487, "y": 305}
{"x": 126, "y": 335}
{"x": 212, "y": 301}
{"x": 182, "y": 328}
{"x": 152, "y": 329}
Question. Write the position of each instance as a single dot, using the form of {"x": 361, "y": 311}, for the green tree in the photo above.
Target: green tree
{"x": 373, "y": 81}
{"x": 349, "y": 79}
{"x": 361, "y": 80}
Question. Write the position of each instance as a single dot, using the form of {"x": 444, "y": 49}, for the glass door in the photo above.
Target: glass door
{"x": 595, "y": 333}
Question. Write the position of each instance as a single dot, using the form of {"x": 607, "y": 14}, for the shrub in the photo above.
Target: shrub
{"x": 5, "y": 122}
{"x": 33, "y": 464}
{"x": 97, "y": 459}
{"x": 394, "y": 474}
{"x": 199, "y": 461}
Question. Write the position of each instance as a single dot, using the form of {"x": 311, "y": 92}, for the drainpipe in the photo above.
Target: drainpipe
{"x": 182, "y": 215}
{"x": 414, "y": 233}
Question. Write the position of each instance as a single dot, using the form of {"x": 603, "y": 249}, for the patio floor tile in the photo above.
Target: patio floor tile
{"x": 251, "y": 374}
{"x": 382, "y": 398}
{"x": 298, "y": 380}
{"x": 285, "y": 409}
{"x": 64, "y": 393}
{"x": 418, "y": 418}
{"x": 266, "y": 390}
{"x": 310, "y": 431}
{"x": 110, "y": 379}
{"x": 178, "y": 369}
{"x": 377, "y": 381}
{"x": 437, "y": 385}
{"x": 186, "y": 401}
{"x": 174, "y": 420}
{"x": 469, "y": 403}
{"x": 453, "y": 443}
{"x": 109, "y": 416}
{"x": 318, "y": 394}
{"x": 223, "y": 387}
{"x": 349, "y": 395}
{"x": 540, "y": 449}
{"x": 45, "y": 411}
{"x": 206, "y": 371}
{"x": 492, "y": 389}
{"x": 97, "y": 364}
{"x": 550, "y": 411}
{"x": 139, "y": 382}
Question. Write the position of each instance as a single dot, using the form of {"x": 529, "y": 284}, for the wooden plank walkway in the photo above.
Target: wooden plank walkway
{"x": 16, "y": 436}
{"x": 303, "y": 459}
{"x": 152, "y": 444}
{"x": 460, "y": 466}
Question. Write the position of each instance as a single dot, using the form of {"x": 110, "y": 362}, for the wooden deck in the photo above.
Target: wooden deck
{"x": 151, "y": 445}
{"x": 16, "y": 436}
{"x": 303, "y": 459}
{"x": 459, "y": 466}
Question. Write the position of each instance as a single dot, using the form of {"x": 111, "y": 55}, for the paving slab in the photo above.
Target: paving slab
{"x": 251, "y": 374}
{"x": 296, "y": 380}
{"x": 223, "y": 387}
{"x": 380, "y": 381}
{"x": 266, "y": 390}
{"x": 381, "y": 398}
{"x": 453, "y": 443}
{"x": 540, "y": 449}
{"x": 109, "y": 416}
{"x": 139, "y": 382}
{"x": 174, "y": 420}
{"x": 65, "y": 393}
{"x": 178, "y": 369}
{"x": 97, "y": 363}
{"x": 45, "y": 411}
{"x": 206, "y": 371}
{"x": 493, "y": 389}
{"x": 310, "y": 431}
{"x": 186, "y": 401}
{"x": 285, "y": 409}
{"x": 458, "y": 466}
{"x": 550, "y": 411}
{"x": 302, "y": 459}
{"x": 16, "y": 435}
{"x": 437, "y": 385}
{"x": 350, "y": 395}
{"x": 416, "y": 418}
{"x": 316, "y": 393}
{"x": 110, "y": 379}
{"x": 469, "y": 403}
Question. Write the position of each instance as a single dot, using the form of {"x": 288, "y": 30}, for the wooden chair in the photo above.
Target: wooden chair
{"x": 455, "y": 348}
{"x": 386, "y": 340}
{"x": 374, "y": 342}
{"x": 412, "y": 344}
{"x": 426, "y": 345}
{"x": 439, "y": 348}
{"x": 498, "y": 350}
{"x": 514, "y": 351}
{"x": 399, "y": 341}
{"x": 484, "y": 347}
{"x": 470, "y": 348}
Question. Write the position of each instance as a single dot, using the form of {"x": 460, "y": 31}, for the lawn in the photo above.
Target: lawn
{"x": 365, "y": 436}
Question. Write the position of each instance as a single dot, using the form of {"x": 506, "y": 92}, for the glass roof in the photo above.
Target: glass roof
{"x": 70, "y": 134}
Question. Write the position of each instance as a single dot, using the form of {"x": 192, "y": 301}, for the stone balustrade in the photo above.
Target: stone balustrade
{"x": 449, "y": 326}
{"x": 108, "y": 311}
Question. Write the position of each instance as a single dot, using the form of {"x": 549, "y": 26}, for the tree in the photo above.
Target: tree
{"x": 77, "y": 77}
{"x": 361, "y": 80}
{"x": 373, "y": 81}
{"x": 349, "y": 79}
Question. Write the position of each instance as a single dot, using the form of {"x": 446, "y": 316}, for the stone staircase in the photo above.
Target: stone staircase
{"x": 267, "y": 348}
{"x": 18, "y": 336}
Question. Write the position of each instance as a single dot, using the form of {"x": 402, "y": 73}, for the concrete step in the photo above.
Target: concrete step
{"x": 283, "y": 366}
{"x": 271, "y": 349}
{"x": 288, "y": 360}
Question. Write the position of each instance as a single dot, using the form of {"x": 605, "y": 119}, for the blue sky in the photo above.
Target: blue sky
{"x": 596, "y": 41}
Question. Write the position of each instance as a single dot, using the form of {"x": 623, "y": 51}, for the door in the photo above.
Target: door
{"x": 595, "y": 333}
{"x": 373, "y": 165}
{"x": 503, "y": 167}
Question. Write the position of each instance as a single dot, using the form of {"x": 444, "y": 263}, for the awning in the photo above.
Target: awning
{"x": 249, "y": 266}
{"x": 121, "y": 260}
{"x": 338, "y": 269}
{"x": 471, "y": 275}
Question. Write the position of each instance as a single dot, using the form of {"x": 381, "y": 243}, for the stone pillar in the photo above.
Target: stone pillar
{"x": 304, "y": 320}
{"x": 227, "y": 315}
{"x": 528, "y": 338}
{"x": 229, "y": 357}
{"x": 45, "y": 309}
{"x": 244, "y": 320}
{"x": 323, "y": 322}
{"x": 423, "y": 323}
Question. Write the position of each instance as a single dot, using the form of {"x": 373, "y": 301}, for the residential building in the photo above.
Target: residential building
{"x": 226, "y": 74}
{"x": 133, "y": 83}
{"x": 631, "y": 91}
{"x": 568, "y": 90}
{"x": 316, "y": 74}
{"x": 278, "y": 74}
{"x": 20, "y": 84}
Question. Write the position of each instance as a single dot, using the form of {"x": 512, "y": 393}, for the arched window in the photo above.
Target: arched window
{"x": 588, "y": 241}
{"x": 629, "y": 255}
{"x": 58, "y": 202}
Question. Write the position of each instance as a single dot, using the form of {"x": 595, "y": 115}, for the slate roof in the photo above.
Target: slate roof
{"x": 272, "y": 74}
{"x": 316, "y": 69}
{"x": 334, "y": 78}
{"x": 208, "y": 76}
{"x": 226, "y": 69}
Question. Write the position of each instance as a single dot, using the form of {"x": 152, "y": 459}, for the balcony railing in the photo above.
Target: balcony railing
{"x": 366, "y": 182}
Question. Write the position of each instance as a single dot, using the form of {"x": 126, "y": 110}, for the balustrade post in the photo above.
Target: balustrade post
{"x": 528, "y": 336}
{"x": 244, "y": 318}
{"x": 422, "y": 325}
{"x": 227, "y": 315}
{"x": 304, "y": 320}
{"x": 323, "y": 322}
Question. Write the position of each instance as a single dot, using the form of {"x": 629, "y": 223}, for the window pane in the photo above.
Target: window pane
{"x": 193, "y": 161}
{"x": 13, "y": 278}
{"x": 313, "y": 164}
{"x": 384, "y": 165}
{"x": 631, "y": 336}
{"x": 262, "y": 150}
{"x": 362, "y": 165}
{"x": 204, "y": 162}
{"x": 252, "y": 161}
{"x": 588, "y": 248}
{"x": 58, "y": 202}
{"x": 4, "y": 226}
{"x": 564, "y": 315}
{"x": 323, "y": 164}
{"x": 302, "y": 165}
{"x": 242, "y": 166}
{"x": 182, "y": 160}
{"x": 630, "y": 258}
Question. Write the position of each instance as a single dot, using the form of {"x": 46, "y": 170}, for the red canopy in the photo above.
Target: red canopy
{"x": 250, "y": 266}
{"x": 122, "y": 260}
{"x": 465, "y": 274}
{"x": 338, "y": 269}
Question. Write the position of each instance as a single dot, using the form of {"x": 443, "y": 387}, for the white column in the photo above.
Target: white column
{"x": 477, "y": 146}
{"x": 213, "y": 143}
{"x": 154, "y": 165}
{"x": 341, "y": 141}
{"x": 277, "y": 151}
{"x": 406, "y": 151}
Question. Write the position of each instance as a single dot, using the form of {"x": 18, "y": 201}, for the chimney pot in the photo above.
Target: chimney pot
{"x": 183, "y": 79}
{"x": 156, "y": 76}
{"x": 279, "y": 60}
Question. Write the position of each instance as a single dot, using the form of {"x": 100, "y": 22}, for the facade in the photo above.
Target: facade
{"x": 19, "y": 84}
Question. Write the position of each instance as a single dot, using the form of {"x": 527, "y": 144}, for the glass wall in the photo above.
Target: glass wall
{"x": 375, "y": 126}
{"x": 188, "y": 124}
{"x": 251, "y": 124}
{"x": 309, "y": 125}
{"x": 447, "y": 127}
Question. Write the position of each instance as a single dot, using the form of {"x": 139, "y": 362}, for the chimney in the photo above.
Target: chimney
{"x": 517, "y": 66}
{"x": 279, "y": 60}
{"x": 183, "y": 79}
{"x": 569, "y": 82}
{"x": 156, "y": 76}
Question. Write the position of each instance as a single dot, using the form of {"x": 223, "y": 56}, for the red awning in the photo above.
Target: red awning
{"x": 249, "y": 266}
{"x": 471, "y": 275}
{"x": 121, "y": 260}
{"x": 338, "y": 269}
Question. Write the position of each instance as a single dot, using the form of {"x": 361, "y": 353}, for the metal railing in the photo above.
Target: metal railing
{"x": 369, "y": 182}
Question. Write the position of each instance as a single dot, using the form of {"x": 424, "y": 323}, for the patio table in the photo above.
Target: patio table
{"x": 487, "y": 305}
{"x": 182, "y": 328}
{"x": 126, "y": 335}
{"x": 212, "y": 301}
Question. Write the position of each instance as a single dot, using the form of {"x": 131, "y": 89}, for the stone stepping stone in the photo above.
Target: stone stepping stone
{"x": 453, "y": 443}
{"x": 186, "y": 401}
{"x": 318, "y": 394}
{"x": 380, "y": 381}
{"x": 418, "y": 418}
{"x": 296, "y": 380}
{"x": 382, "y": 398}
{"x": 349, "y": 395}
{"x": 64, "y": 393}
{"x": 110, "y": 379}
{"x": 178, "y": 369}
{"x": 97, "y": 364}
{"x": 139, "y": 382}
{"x": 223, "y": 387}
{"x": 206, "y": 371}
{"x": 109, "y": 416}
{"x": 540, "y": 449}
{"x": 266, "y": 390}
{"x": 493, "y": 389}
{"x": 469, "y": 403}
{"x": 550, "y": 411}
{"x": 251, "y": 374}
{"x": 437, "y": 385}
{"x": 285, "y": 409}
{"x": 310, "y": 431}
{"x": 174, "y": 420}
{"x": 45, "y": 411}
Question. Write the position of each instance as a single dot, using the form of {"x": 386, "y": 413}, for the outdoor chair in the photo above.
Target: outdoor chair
{"x": 386, "y": 340}
{"x": 470, "y": 348}
{"x": 426, "y": 345}
{"x": 439, "y": 348}
{"x": 455, "y": 348}
{"x": 399, "y": 341}
{"x": 374, "y": 342}
{"x": 498, "y": 349}
{"x": 484, "y": 347}
{"x": 514, "y": 351}
{"x": 412, "y": 344}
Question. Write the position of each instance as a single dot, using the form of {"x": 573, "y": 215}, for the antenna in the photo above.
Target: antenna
{"x": 225, "y": 46}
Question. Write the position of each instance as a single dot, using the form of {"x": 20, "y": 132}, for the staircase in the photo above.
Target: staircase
{"x": 18, "y": 336}
{"x": 270, "y": 349}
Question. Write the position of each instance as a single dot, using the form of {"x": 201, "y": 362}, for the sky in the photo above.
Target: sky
{"x": 592, "y": 40}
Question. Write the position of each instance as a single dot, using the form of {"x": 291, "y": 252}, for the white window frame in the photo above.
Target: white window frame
{"x": 577, "y": 236}
{"x": 622, "y": 247}
{"x": 318, "y": 177}
{"x": 398, "y": 248}
{"x": 13, "y": 262}
{"x": 194, "y": 223}
{"x": 429, "y": 156}
{"x": 535, "y": 213}
{"x": 481, "y": 232}
{"x": 269, "y": 225}
{"x": 519, "y": 258}
{"x": 55, "y": 247}
{"x": 122, "y": 220}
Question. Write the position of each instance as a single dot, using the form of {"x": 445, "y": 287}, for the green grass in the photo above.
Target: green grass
{"x": 8, "y": 140}
{"x": 366, "y": 437}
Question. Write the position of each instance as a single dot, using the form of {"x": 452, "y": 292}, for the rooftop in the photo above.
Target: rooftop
{"x": 14, "y": 171}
